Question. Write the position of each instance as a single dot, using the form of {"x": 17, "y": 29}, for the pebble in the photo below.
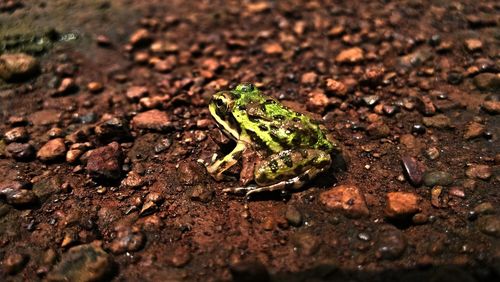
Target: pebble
{"x": 202, "y": 193}
{"x": 95, "y": 87}
{"x": 402, "y": 204}
{"x": 391, "y": 244}
{"x": 487, "y": 82}
{"x": 87, "y": 262}
{"x": 20, "y": 151}
{"x": 17, "y": 66}
{"x": 478, "y": 171}
{"x": 14, "y": 263}
{"x": 133, "y": 180}
{"x": 140, "y": 37}
{"x": 153, "y": 120}
{"x": 76, "y": 151}
{"x": 474, "y": 130}
{"x": 273, "y": 48}
{"x": 113, "y": 129}
{"x": 135, "y": 93}
{"x": 17, "y": 134}
{"x": 346, "y": 198}
{"x": 307, "y": 244}
{"x": 52, "y": 150}
{"x": 492, "y": 107}
{"x": 415, "y": 58}
{"x": 128, "y": 239}
{"x": 336, "y": 87}
{"x": 105, "y": 162}
{"x": 413, "y": 170}
{"x": 317, "y": 101}
{"x": 490, "y": 225}
{"x": 309, "y": 78}
{"x": 484, "y": 208}
{"x": 420, "y": 218}
{"x": 293, "y": 216}
{"x": 418, "y": 129}
{"x": 352, "y": 55}
{"x": 441, "y": 178}
{"x": 148, "y": 208}
{"x": 473, "y": 44}
{"x": 432, "y": 153}
{"x": 437, "y": 121}
{"x": 66, "y": 86}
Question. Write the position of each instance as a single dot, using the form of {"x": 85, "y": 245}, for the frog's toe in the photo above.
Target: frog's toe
{"x": 240, "y": 190}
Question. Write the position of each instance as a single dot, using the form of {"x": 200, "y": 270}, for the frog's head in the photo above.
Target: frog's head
{"x": 221, "y": 108}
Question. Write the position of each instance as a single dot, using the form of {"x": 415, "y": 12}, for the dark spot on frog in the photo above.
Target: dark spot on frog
{"x": 296, "y": 119}
{"x": 298, "y": 169}
{"x": 304, "y": 178}
{"x": 303, "y": 153}
{"x": 287, "y": 160}
{"x": 242, "y": 108}
{"x": 263, "y": 127}
{"x": 279, "y": 117}
{"x": 273, "y": 165}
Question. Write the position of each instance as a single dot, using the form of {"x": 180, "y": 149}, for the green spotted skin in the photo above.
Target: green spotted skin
{"x": 296, "y": 147}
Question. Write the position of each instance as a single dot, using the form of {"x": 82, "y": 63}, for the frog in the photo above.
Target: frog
{"x": 294, "y": 147}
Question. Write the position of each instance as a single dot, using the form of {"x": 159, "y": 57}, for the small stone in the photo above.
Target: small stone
{"x": 437, "y": 121}
{"x": 413, "y": 170}
{"x": 317, "y": 101}
{"x": 21, "y": 198}
{"x": 352, "y": 55}
{"x": 474, "y": 130}
{"x": 135, "y": 93}
{"x": 52, "y": 150}
{"x": 258, "y": 7}
{"x": 66, "y": 86}
{"x": 402, "y": 204}
{"x": 148, "y": 208}
{"x": 293, "y": 216}
{"x": 273, "y": 48}
{"x": 140, "y": 37}
{"x": 416, "y": 58}
{"x": 153, "y": 120}
{"x": 18, "y": 66}
{"x": 418, "y": 129}
{"x": 441, "y": 178}
{"x": 488, "y": 82}
{"x": 133, "y": 180}
{"x": 128, "y": 239}
{"x": 17, "y": 134}
{"x": 378, "y": 130}
{"x": 371, "y": 100}
{"x": 83, "y": 263}
{"x": 114, "y": 129}
{"x": 95, "y": 87}
{"x": 20, "y": 151}
{"x": 425, "y": 106}
{"x": 309, "y": 78}
{"x": 420, "y": 218}
{"x": 14, "y": 263}
{"x": 55, "y": 132}
{"x": 336, "y": 87}
{"x": 484, "y": 208}
{"x": 391, "y": 244}
{"x": 105, "y": 162}
{"x": 180, "y": 257}
{"x": 307, "y": 244}
{"x": 478, "y": 171}
{"x": 346, "y": 198}
{"x": 432, "y": 153}
{"x": 76, "y": 151}
{"x": 490, "y": 225}
{"x": 473, "y": 44}
{"x": 202, "y": 193}
{"x": 492, "y": 107}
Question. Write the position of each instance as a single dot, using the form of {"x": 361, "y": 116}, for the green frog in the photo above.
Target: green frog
{"x": 294, "y": 146}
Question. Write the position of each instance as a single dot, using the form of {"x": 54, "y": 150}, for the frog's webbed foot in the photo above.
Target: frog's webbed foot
{"x": 294, "y": 183}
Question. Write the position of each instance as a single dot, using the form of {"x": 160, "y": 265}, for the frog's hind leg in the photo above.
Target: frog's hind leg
{"x": 216, "y": 169}
{"x": 294, "y": 183}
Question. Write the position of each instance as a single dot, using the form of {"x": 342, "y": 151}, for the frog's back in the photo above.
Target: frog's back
{"x": 273, "y": 126}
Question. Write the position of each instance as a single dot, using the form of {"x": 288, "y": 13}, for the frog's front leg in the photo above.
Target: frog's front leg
{"x": 217, "y": 168}
{"x": 288, "y": 170}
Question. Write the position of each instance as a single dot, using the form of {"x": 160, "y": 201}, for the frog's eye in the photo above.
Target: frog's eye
{"x": 248, "y": 87}
{"x": 221, "y": 106}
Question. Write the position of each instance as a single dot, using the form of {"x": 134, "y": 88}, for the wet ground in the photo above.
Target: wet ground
{"x": 105, "y": 126}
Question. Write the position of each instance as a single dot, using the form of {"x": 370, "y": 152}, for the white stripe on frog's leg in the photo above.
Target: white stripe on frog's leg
{"x": 216, "y": 169}
{"x": 285, "y": 185}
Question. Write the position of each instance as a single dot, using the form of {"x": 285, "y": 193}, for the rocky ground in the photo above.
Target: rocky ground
{"x": 104, "y": 128}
